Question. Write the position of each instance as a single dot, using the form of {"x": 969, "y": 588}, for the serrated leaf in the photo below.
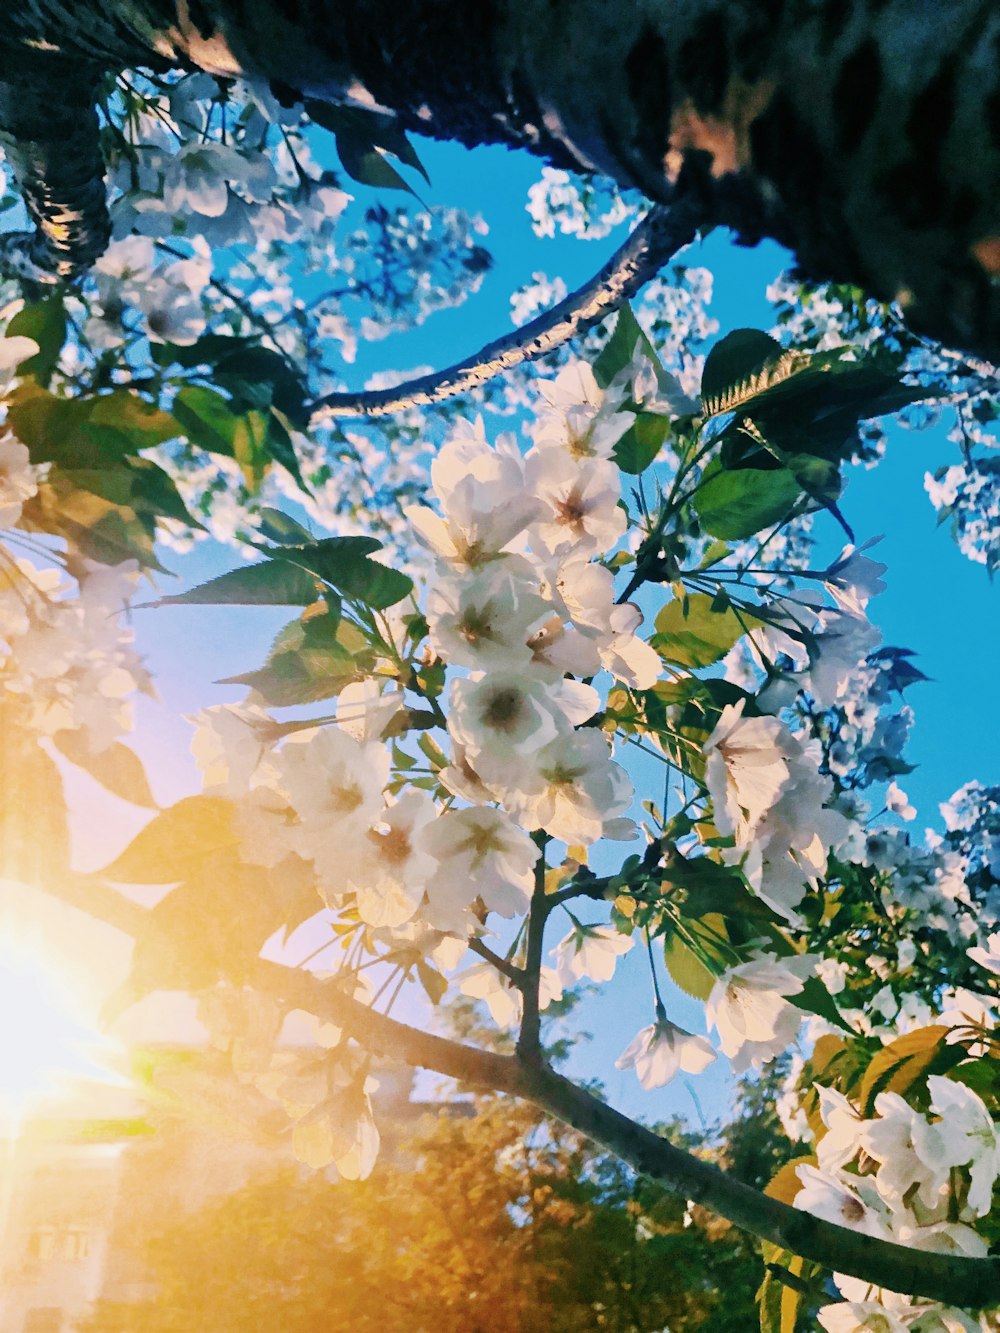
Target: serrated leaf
{"x": 734, "y": 504}
{"x": 343, "y": 563}
{"x": 116, "y": 768}
{"x": 307, "y": 662}
{"x": 171, "y": 846}
{"x": 739, "y": 367}
{"x": 282, "y": 528}
{"x": 270, "y": 583}
{"x": 691, "y": 634}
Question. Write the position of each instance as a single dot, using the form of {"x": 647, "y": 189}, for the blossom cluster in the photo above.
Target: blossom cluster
{"x": 923, "y": 1180}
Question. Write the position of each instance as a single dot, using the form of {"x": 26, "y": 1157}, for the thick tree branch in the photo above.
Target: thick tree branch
{"x": 952, "y": 1279}
{"x": 661, "y": 233}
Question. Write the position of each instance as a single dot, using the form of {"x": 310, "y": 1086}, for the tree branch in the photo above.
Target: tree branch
{"x": 661, "y": 233}
{"x": 952, "y": 1279}
{"x": 529, "y": 1038}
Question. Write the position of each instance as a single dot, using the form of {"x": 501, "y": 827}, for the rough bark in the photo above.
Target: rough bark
{"x": 865, "y": 135}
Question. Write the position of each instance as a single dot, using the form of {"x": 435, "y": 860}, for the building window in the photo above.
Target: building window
{"x": 43, "y": 1244}
{"x": 76, "y": 1244}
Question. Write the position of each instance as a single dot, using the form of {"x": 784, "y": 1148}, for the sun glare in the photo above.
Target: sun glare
{"x": 43, "y": 1036}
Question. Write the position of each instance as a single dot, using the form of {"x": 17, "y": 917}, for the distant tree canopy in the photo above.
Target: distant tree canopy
{"x": 504, "y": 1222}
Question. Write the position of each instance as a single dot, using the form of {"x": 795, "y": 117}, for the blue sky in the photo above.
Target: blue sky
{"x": 937, "y": 602}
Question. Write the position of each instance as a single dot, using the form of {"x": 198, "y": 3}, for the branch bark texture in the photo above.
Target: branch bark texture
{"x": 661, "y": 233}
{"x": 865, "y": 136}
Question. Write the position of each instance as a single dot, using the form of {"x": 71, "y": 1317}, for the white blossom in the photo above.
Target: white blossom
{"x": 659, "y": 1051}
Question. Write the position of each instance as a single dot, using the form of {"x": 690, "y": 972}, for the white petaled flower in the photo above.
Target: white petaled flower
{"x": 848, "y": 1200}
{"x": 628, "y": 657}
{"x": 485, "y": 621}
{"x": 859, "y": 1317}
{"x": 971, "y": 1138}
{"x": 484, "y": 497}
{"x": 841, "y": 641}
{"x": 394, "y": 864}
{"x": 898, "y": 802}
{"x": 483, "y": 982}
{"x": 749, "y": 1008}
{"x": 364, "y": 710}
{"x": 853, "y": 578}
{"x": 13, "y": 350}
{"x": 581, "y": 500}
{"x": 590, "y": 951}
{"x": 228, "y": 746}
{"x": 652, "y": 388}
{"x": 910, "y": 1151}
{"x": 558, "y": 650}
{"x": 572, "y": 790}
{"x": 330, "y": 777}
{"x": 17, "y": 477}
{"x": 844, "y": 1125}
{"x": 745, "y": 769}
{"x": 505, "y": 715}
{"x": 988, "y": 957}
{"x": 582, "y": 420}
{"x": 461, "y": 779}
{"x": 481, "y": 853}
{"x": 661, "y": 1050}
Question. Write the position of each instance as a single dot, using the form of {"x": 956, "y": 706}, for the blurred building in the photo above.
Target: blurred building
{"x": 89, "y": 1179}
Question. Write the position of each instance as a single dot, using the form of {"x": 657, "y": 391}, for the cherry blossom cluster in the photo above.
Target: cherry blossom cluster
{"x": 921, "y": 1179}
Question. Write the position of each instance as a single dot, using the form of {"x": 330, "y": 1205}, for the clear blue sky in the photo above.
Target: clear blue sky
{"x": 937, "y": 602}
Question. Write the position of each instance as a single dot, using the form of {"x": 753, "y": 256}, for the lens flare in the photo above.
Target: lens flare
{"x": 44, "y": 1037}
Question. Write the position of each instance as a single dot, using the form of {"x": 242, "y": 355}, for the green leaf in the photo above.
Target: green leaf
{"x": 738, "y": 368}
{"x": 270, "y": 583}
{"x": 45, "y": 321}
{"x": 129, "y": 423}
{"x": 307, "y": 662}
{"x": 259, "y": 377}
{"x": 117, "y": 768}
{"x": 86, "y": 432}
{"x": 691, "y": 634}
{"x": 82, "y": 507}
{"x": 640, "y": 444}
{"x": 282, "y": 528}
{"x": 686, "y": 969}
{"x": 366, "y": 128}
{"x": 814, "y": 998}
{"x": 209, "y": 350}
{"x": 154, "y": 492}
{"x": 206, "y": 419}
{"x": 617, "y": 352}
{"x": 343, "y": 563}
{"x": 250, "y": 448}
{"x": 736, "y": 504}
{"x": 279, "y": 445}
